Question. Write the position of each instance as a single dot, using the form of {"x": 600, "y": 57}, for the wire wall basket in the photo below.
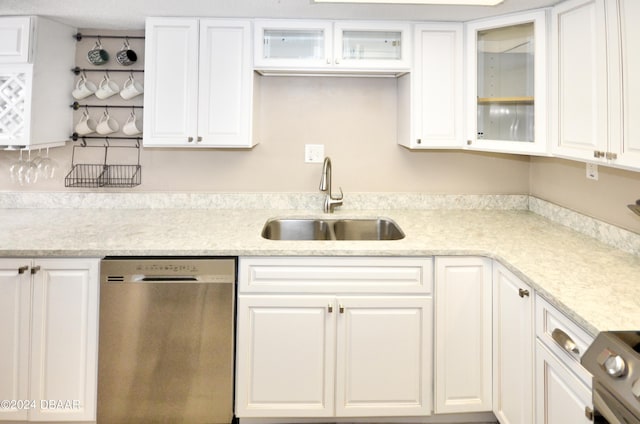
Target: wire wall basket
{"x": 92, "y": 175}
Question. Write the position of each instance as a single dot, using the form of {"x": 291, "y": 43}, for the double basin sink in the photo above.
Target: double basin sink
{"x": 332, "y": 229}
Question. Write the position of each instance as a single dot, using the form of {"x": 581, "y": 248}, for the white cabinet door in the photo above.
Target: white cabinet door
{"x": 286, "y": 354}
{"x": 171, "y": 82}
{"x": 225, "y": 94}
{"x": 579, "y": 99}
{"x": 285, "y": 44}
{"x": 433, "y": 90}
{"x": 383, "y": 356}
{"x": 15, "y": 34}
{"x": 625, "y": 136}
{"x": 561, "y": 397}
{"x": 507, "y": 84}
{"x": 463, "y": 335}
{"x": 513, "y": 339}
{"x": 15, "y": 312}
{"x": 372, "y": 45}
{"x": 64, "y": 339}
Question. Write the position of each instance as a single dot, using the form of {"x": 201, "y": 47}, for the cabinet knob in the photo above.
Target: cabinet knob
{"x": 190, "y": 140}
{"x": 199, "y": 139}
{"x": 337, "y": 61}
{"x": 598, "y": 154}
{"x": 330, "y": 308}
{"x": 23, "y": 269}
{"x": 35, "y": 269}
{"x": 419, "y": 141}
{"x": 341, "y": 309}
{"x": 523, "y": 293}
{"x": 469, "y": 142}
{"x": 588, "y": 412}
{"x": 611, "y": 156}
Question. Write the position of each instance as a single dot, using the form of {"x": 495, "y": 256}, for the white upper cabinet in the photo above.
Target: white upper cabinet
{"x": 433, "y": 91}
{"x": 507, "y": 84}
{"x": 628, "y": 146}
{"x": 199, "y": 83}
{"x": 35, "y": 84}
{"x": 15, "y": 39}
{"x": 579, "y": 100}
{"x": 596, "y": 61}
{"x": 292, "y": 46}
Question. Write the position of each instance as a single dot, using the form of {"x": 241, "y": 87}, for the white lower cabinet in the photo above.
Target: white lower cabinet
{"x": 513, "y": 340}
{"x": 463, "y": 334}
{"x": 339, "y": 354}
{"x": 49, "y": 333}
{"x": 561, "y": 396}
{"x": 563, "y": 386}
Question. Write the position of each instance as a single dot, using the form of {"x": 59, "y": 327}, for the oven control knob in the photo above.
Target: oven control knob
{"x": 612, "y": 363}
{"x": 615, "y": 366}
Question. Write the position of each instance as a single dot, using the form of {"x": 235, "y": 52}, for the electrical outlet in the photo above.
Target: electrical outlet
{"x": 313, "y": 153}
{"x": 592, "y": 171}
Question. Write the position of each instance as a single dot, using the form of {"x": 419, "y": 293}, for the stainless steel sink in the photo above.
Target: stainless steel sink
{"x": 332, "y": 229}
{"x": 296, "y": 229}
{"x": 367, "y": 229}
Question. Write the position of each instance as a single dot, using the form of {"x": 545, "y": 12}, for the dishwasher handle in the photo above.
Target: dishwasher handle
{"x": 164, "y": 278}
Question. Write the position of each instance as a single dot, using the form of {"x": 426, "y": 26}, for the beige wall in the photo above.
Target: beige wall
{"x": 355, "y": 118}
{"x": 564, "y": 183}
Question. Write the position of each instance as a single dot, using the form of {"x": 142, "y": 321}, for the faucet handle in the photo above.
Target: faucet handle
{"x": 341, "y": 195}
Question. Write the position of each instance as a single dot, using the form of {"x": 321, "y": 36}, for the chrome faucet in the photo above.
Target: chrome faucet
{"x": 330, "y": 202}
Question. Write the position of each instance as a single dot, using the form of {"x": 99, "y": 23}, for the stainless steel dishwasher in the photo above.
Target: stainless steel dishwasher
{"x": 166, "y": 340}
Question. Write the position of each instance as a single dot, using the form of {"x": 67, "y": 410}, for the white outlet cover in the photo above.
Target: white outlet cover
{"x": 592, "y": 171}
{"x": 313, "y": 153}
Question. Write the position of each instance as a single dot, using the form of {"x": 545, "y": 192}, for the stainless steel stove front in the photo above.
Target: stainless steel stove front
{"x": 614, "y": 361}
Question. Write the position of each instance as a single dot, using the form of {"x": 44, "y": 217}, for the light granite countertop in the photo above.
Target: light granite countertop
{"x": 594, "y": 283}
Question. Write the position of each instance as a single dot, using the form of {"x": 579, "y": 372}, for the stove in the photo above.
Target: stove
{"x": 614, "y": 361}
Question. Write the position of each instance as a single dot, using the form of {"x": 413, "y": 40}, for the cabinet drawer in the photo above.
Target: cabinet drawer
{"x": 562, "y": 336}
{"x": 335, "y": 275}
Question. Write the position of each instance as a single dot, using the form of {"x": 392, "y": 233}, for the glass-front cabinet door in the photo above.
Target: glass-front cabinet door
{"x": 375, "y": 45}
{"x": 291, "y": 44}
{"x": 507, "y": 84}
{"x": 283, "y": 45}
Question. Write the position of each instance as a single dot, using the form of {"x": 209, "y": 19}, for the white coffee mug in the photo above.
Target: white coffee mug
{"x": 107, "y": 88}
{"x": 107, "y": 124}
{"x": 132, "y": 126}
{"x": 131, "y": 88}
{"x": 84, "y": 88}
{"x": 85, "y": 125}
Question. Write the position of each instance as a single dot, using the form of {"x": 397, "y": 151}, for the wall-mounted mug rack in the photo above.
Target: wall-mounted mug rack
{"x": 77, "y": 106}
{"x": 77, "y": 70}
{"x": 83, "y": 138}
{"x": 79, "y": 36}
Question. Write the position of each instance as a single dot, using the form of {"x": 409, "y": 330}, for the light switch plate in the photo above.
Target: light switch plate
{"x": 592, "y": 171}
{"x": 313, "y": 153}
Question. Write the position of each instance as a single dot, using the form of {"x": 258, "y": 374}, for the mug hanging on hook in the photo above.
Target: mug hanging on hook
{"x": 107, "y": 87}
{"x": 126, "y": 56}
{"x": 98, "y": 55}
